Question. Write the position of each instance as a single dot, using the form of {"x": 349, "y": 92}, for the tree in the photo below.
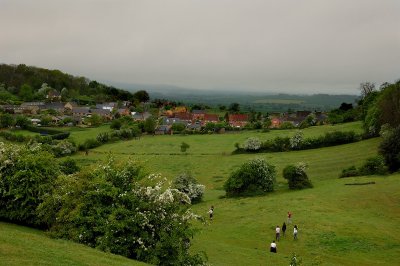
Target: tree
{"x": 253, "y": 177}
{"x": 94, "y": 120}
{"x": 6, "y": 120}
{"x": 234, "y": 108}
{"x": 149, "y": 125}
{"x": 22, "y": 121}
{"x": 366, "y": 88}
{"x": 27, "y": 175}
{"x": 297, "y": 176}
{"x": 142, "y": 96}
{"x": 26, "y": 93}
{"x": 390, "y": 149}
{"x": 64, "y": 94}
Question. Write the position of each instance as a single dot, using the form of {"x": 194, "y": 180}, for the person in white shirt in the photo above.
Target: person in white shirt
{"x": 278, "y": 233}
{"x": 295, "y": 232}
{"x": 273, "y": 247}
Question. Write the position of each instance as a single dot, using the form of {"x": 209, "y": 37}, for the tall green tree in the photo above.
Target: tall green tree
{"x": 26, "y": 92}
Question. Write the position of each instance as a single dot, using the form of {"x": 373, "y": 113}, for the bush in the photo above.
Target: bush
{"x": 296, "y": 140}
{"x": 62, "y": 148}
{"x": 103, "y": 137}
{"x": 187, "y": 184}
{"x": 27, "y": 174}
{"x": 373, "y": 166}
{"x": 253, "y": 177}
{"x": 110, "y": 207}
{"x": 184, "y": 146}
{"x": 297, "y": 176}
{"x": 390, "y": 149}
{"x": 116, "y": 124}
{"x": 349, "y": 172}
{"x": 69, "y": 166}
{"x": 252, "y": 144}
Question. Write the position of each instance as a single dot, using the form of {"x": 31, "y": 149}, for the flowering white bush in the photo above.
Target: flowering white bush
{"x": 187, "y": 184}
{"x": 118, "y": 209}
{"x": 252, "y": 144}
{"x": 296, "y": 140}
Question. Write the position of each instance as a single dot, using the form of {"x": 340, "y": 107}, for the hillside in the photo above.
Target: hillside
{"x": 21, "y": 245}
{"x": 339, "y": 224}
{"x": 26, "y": 83}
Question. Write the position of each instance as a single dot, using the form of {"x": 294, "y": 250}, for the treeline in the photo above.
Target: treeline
{"x": 26, "y": 82}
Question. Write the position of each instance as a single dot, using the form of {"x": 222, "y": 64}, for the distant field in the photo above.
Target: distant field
{"x": 20, "y": 245}
{"x": 279, "y": 101}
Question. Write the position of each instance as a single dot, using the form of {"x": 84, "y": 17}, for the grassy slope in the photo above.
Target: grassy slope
{"x": 25, "y": 246}
{"x": 338, "y": 224}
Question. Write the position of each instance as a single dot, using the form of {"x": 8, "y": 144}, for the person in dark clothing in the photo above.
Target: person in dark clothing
{"x": 283, "y": 228}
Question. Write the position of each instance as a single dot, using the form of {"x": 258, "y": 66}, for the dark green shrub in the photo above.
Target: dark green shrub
{"x": 184, "y": 146}
{"x": 116, "y": 124}
{"x": 27, "y": 174}
{"x": 69, "y": 166}
{"x": 373, "y": 166}
{"x": 349, "y": 172}
{"x": 297, "y": 176}
{"x": 390, "y": 149}
{"x": 253, "y": 177}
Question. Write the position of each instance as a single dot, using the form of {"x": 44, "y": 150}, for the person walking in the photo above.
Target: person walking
{"x": 295, "y": 230}
{"x": 289, "y": 217}
{"x": 273, "y": 247}
{"x": 277, "y": 233}
{"x": 211, "y": 212}
{"x": 283, "y": 228}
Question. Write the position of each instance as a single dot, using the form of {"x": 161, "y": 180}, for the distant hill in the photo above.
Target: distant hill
{"x": 31, "y": 83}
{"x": 258, "y": 101}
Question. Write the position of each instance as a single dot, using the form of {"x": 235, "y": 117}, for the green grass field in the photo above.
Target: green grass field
{"x": 279, "y": 101}
{"x": 20, "y": 245}
{"x": 338, "y": 224}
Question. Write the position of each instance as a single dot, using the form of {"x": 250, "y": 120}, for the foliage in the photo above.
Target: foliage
{"x": 6, "y": 120}
{"x": 349, "y": 172}
{"x": 178, "y": 127}
{"x": 26, "y": 176}
{"x": 254, "y": 176}
{"x": 390, "y": 149}
{"x": 287, "y": 125}
{"x": 61, "y": 148}
{"x": 69, "y": 166}
{"x": 116, "y": 124}
{"x": 94, "y": 120}
{"x": 297, "y": 176}
{"x": 189, "y": 185}
{"x": 103, "y": 137}
{"x": 296, "y": 140}
{"x": 373, "y": 166}
{"x": 149, "y": 125}
{"x": 143, "y": 222}
{"x": 252, "y": 144}
{"x": 184, "y": 146}
{"x": 22, "y": 121}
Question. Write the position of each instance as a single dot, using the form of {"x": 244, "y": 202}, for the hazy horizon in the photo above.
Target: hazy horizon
{"x": 295, "y": 47}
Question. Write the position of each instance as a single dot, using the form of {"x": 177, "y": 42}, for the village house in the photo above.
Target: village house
{"x": 210, "y": 118}
{"x": 140, "y": 116}
{"x": 124, "y": 111}
{"x": 105, "y": 113}
{"x": 53, "y": 95}
{"x": 56, "y": 106}
{"x": 198, "y": 115}
{"x": 106, "y": 106}
{"x": 238, "y": 120}
{"x": 163, "y": 129}
{"x": 70, "y": 105}
{"x": 80, "y": 111}
{"x": 186, "y": 117}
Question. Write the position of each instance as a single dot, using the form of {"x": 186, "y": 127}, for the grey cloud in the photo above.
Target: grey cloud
{"x": 291, "y": 46}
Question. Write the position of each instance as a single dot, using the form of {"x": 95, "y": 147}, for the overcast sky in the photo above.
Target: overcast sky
{"x": 297, "y": 46}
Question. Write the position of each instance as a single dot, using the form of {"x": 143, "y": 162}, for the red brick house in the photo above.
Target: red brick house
{"x": 210, "y": 118}
{"x": 238, "y": 120}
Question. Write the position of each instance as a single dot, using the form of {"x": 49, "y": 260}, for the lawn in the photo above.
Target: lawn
{"x": 338, "y": 224}
{"x": 20, "y": 245}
